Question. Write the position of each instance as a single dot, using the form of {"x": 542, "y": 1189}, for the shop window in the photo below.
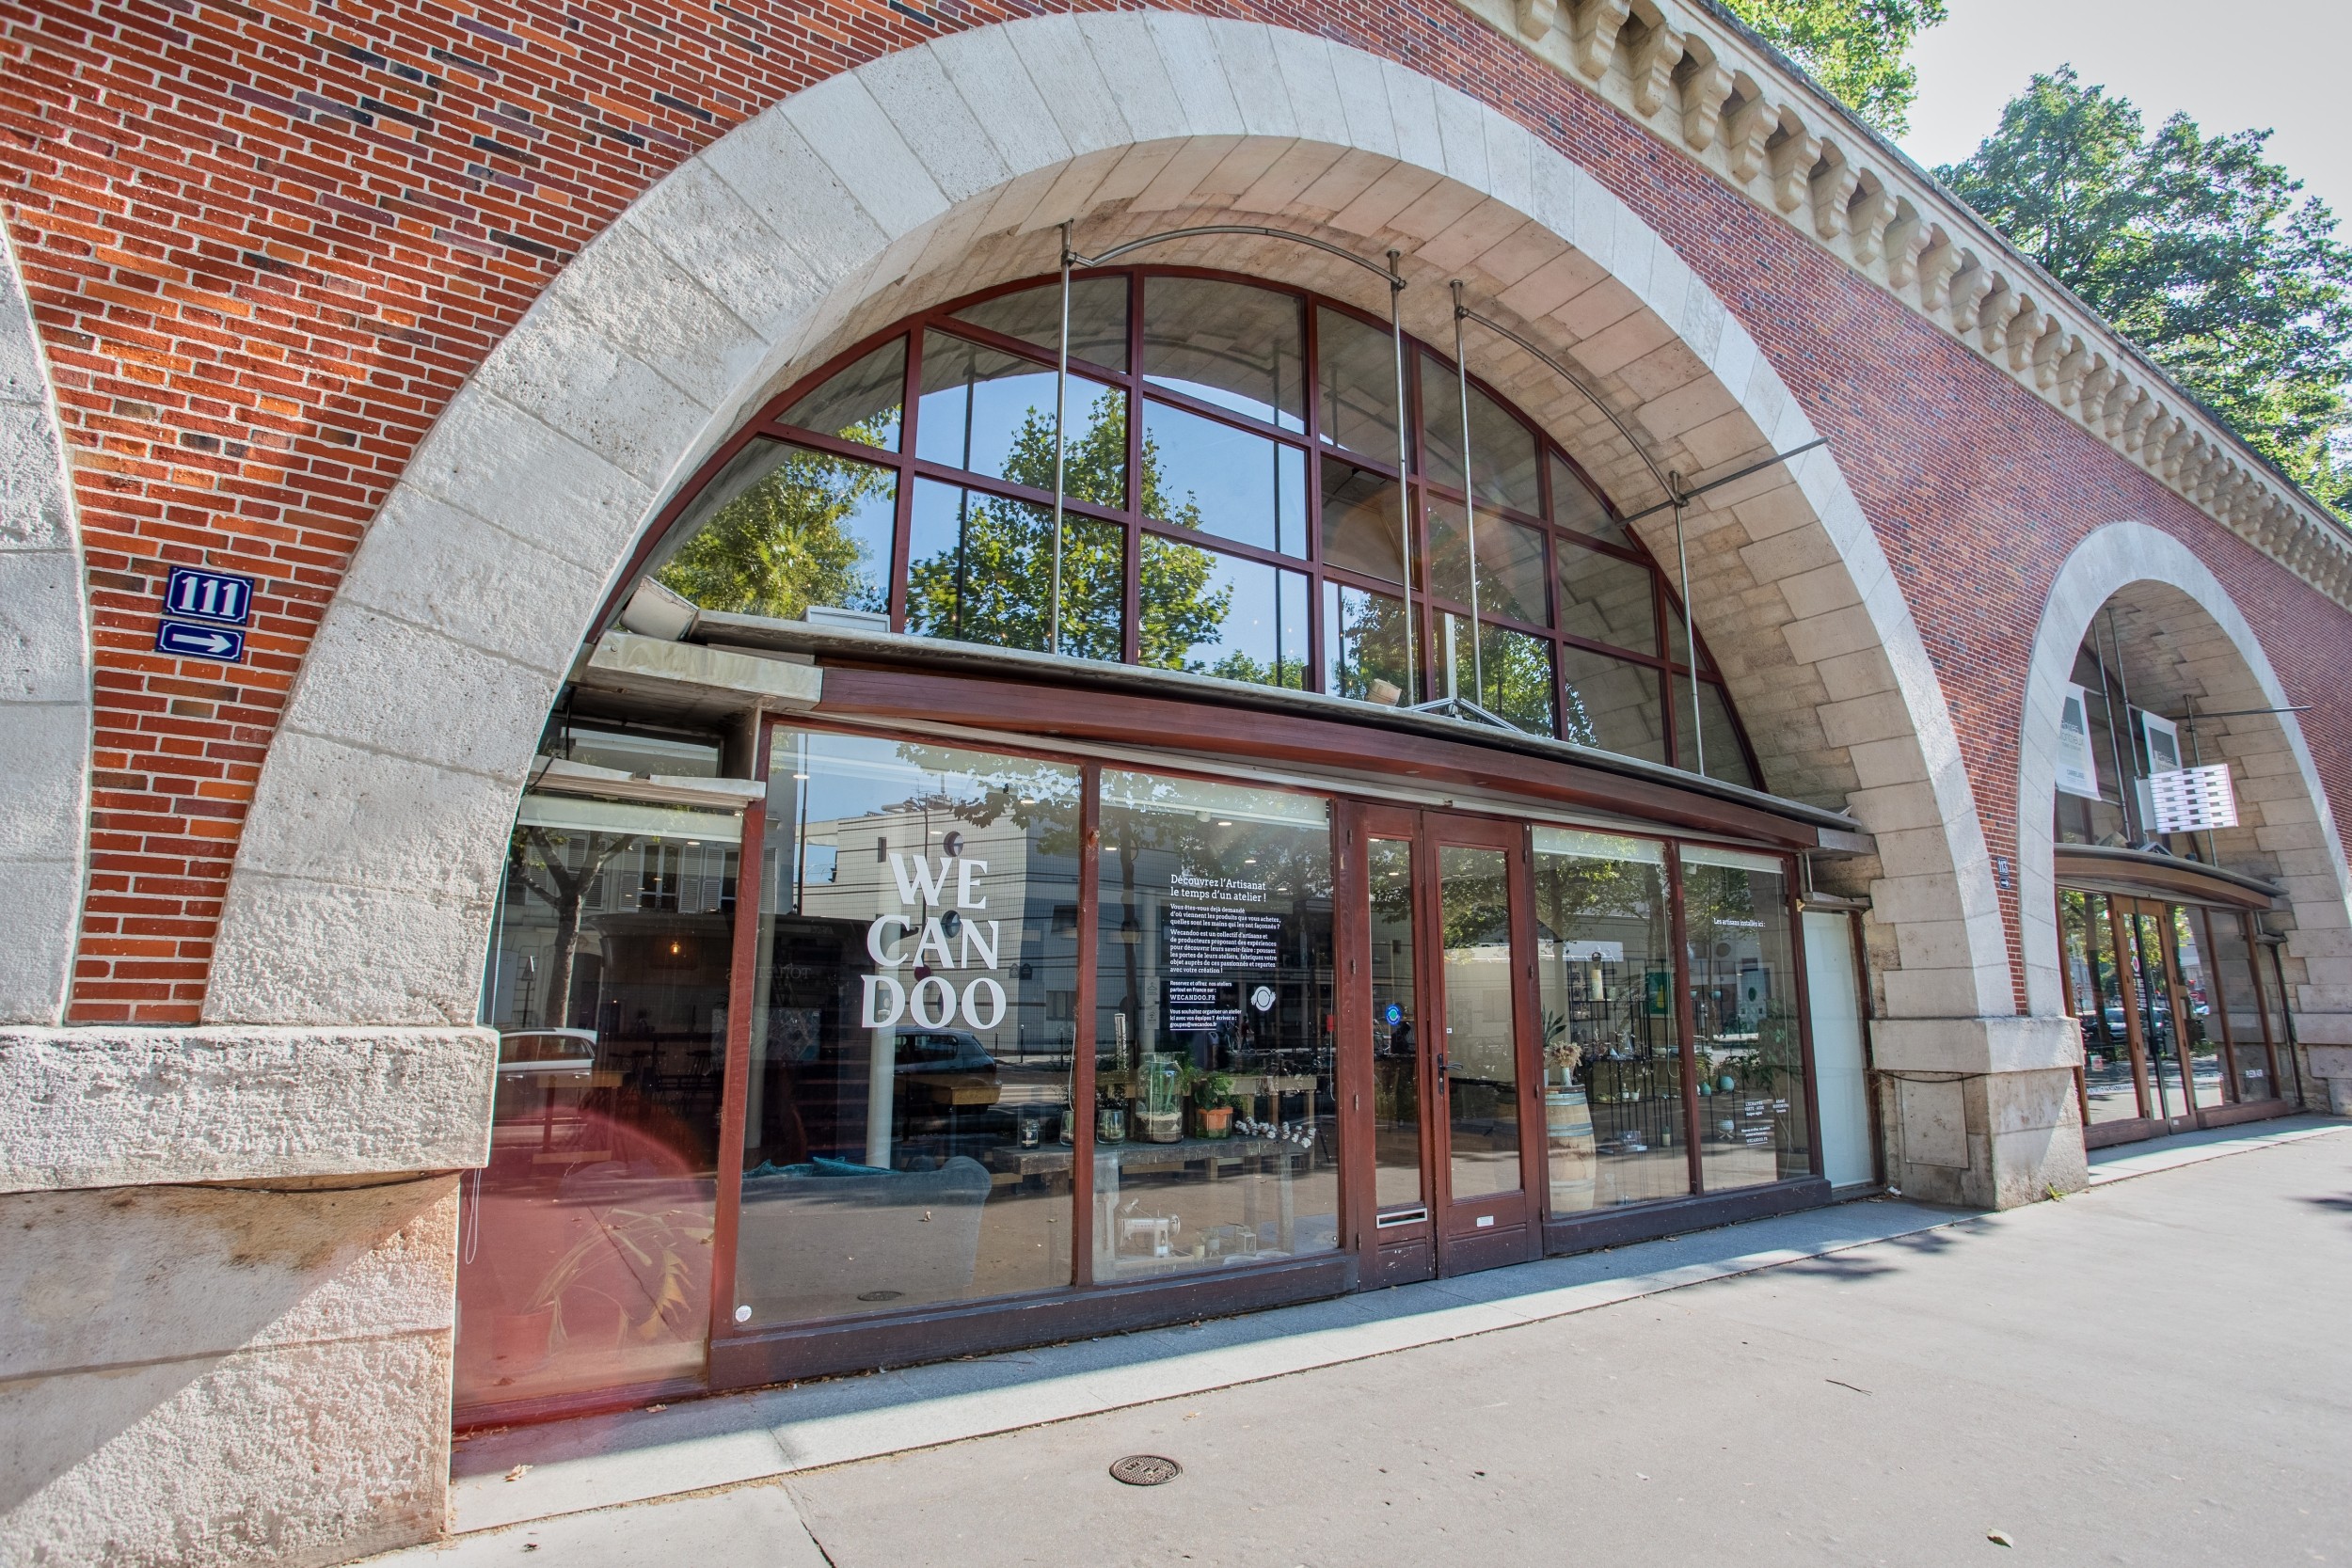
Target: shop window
{"x": 1575, "y": 506}
{"x": 1396, "y": 1119}
{"x": 1097, "y": 319}
{"x": 1612, "y": 1069}
{"x": 1726, "y": 758}
{"x": 1612, "y": 704}
{"x": 586, "y": 1245}
{"x": 1510, "y": 563}
{"x": 2208, "y": 1075}
{"x": 1749, "y": 1047}
{"x": 992, "y": 414}
{"x": 861, "y": 404}
{"x": 783, "y": 527}
{"x": 1604, "y": 599}
{"x": 2110, "y": 1088}
{"x": 1216, "y": 1115}
{"x": 1358, "y": 386}
{"x": 1218, "y": 615}
{"x": 1362, "y": 527}
{"x": 906, "y": 1129}
{"x": 1219, "y": 479}
{"x": 1503, "y": 461}
{"x": 1239, "y": 347}
{"x": 2236, "y": 1006}
{"x": 983, "y": 572}
{"x": 1482, "y": 1057}
{"x": 1363, "y": 644}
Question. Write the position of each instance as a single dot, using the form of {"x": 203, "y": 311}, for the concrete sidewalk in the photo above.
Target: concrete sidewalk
{"x": 1920, "y": 1307}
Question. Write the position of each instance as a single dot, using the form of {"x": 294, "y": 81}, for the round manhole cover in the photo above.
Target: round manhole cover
{"x": 1145, "y": 1469}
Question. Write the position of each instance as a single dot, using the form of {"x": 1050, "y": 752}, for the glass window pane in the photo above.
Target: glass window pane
{"x": 1358, "y": 385}
{"x": 992, "y": 414}
{"x": 1725, "y": 759}
{"x": 983, "y": 572}
{"x": 1612, "y": 1072}
{"x": 1217, "y": 614}
{"x": 1502, "y": 451}
{"x": 1481, "y": 1056}
{"x": 1511, "y": 675}
{"x": 1227, "y": 344}
{"x": 1199, "y": 473}
{"x": 1606, "y": 600}
{"x": 2144, "y": 935}
{"x": 1510, "y": 563}
{"x": 783, "y": 527}
{"x": 1396, "y": 1176}
{"x": 1097, "y": 319}
{"x": 2239, "y": 1006}
{"x": 1363, "y": 645}
{"x": 2207, "y": 1084}
{"x": 2110, "y": 1088}
{"x": 1218, "y": 1117}
{"x": 1574, "y": 506}
{"x": 1612, "y": 704}
{"x": 1362, "y": 524}
{"x": 1749, "y": 1055}
{"x": 608, "y": 983}
{"x": 859, "y": 404}
{"x": 906, "y": 1122}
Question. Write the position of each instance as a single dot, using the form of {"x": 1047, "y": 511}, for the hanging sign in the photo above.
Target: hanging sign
{"x": 2077, "y": 770}
{"x": 2192, "y": 799}
{"x": 2164, "y": 743}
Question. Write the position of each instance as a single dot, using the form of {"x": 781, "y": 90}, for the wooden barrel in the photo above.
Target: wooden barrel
{"x": 1570, "y": 1151}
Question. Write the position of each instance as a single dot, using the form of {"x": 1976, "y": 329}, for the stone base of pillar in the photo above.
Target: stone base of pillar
{"x": 219, "y": 1375}
{"x": 1981, "y": 1111}
{"x": 2327, "y": 1078}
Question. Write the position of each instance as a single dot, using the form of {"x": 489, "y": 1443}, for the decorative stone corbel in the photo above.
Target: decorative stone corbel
{"x": 1592, "y": 34}
{"x": 2072, "y": 370}
{"x": 1704, "y": 85}
{"x": 1867, "y": 217}
{"x": 1995, "y": 310}
{"x": 1831, "y": 181}
{"x": 1747, "y": 126}
{"x": 1939, "y": 259}
{"x": 1970, "y": 284}
{"x": 2121, "y": 403}
{"x": 1536, "y": 18}
{"x": 1655, "y": 56}
{"x": 1792, "y": 151}
{"x": 2089, "y": 384}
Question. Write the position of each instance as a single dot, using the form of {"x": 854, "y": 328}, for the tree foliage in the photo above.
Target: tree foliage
{"x": 2197, "y": 248}
{"x": 1855, "y": 48}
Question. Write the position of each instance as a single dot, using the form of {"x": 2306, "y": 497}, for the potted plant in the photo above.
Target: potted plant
{"x": 1212, "y": 1099}
{"x": 1161, "y": 1118}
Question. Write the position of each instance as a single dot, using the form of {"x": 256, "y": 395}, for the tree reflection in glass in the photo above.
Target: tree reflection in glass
{"x": 784, "y": 528}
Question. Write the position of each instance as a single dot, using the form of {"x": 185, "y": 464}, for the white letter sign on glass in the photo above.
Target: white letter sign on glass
{"x": 2077, "y": 770}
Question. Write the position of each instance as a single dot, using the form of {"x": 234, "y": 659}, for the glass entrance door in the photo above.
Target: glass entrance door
{"x": 1450, "y": 976}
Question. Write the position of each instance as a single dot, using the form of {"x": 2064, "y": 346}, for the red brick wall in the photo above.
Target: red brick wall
{"x": 265, "y": 243}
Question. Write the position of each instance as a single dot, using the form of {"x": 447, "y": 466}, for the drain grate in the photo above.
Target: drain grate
{"x": 879, "y": 1296}
{"x": 1145, "y": 1469}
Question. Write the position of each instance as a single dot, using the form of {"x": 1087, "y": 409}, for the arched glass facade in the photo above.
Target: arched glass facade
{"x": 1232, "y": 509}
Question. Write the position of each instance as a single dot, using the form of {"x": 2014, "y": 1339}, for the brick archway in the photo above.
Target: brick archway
{"x": 365, "y": 878}
{"x": 2288, "y": 831}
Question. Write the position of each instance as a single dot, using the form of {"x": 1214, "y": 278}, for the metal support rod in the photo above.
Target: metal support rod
{"x": 1403, "y": 478}
{"x": 1061, "y": 415}
{"x": 1469, "y": 504}
{"x": 1578, "y": 382}
{"x": 1690, "y": 634}
{"x": 2131, "y": 754}
{"x": 2115, "y": 746}
{"x": 1757, "y": 466}
{"x": 2197, "y": 759}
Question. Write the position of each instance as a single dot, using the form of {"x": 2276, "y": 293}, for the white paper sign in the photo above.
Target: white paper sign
{"x": 2077, "y": 770}
{"x": 2164, "y": 743}
{"x": 2192, "y": 799}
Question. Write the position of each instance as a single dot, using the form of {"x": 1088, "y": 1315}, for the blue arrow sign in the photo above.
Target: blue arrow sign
{"x": 209, "y": 595}
{"x": 194, "y": 642}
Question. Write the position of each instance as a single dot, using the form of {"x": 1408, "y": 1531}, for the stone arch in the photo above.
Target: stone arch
{"x": 2289, "y": 832}
{"x": 45, "y": 684}
{"x": 365, "y": 878}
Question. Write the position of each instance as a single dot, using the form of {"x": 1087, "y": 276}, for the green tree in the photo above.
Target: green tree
{"x": 2197, "y": 249}
{"x": 812, "y": 529}
{"x": 1855, "y": 48}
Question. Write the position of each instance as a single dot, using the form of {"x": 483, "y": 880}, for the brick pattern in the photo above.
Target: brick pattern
{"x": 265, "y": 244}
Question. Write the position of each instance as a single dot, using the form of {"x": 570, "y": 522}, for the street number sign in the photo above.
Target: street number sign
{"x": 209, "y": 595}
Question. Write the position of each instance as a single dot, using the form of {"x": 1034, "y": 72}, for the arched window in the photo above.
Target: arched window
{"x": 1232, "y": 509}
